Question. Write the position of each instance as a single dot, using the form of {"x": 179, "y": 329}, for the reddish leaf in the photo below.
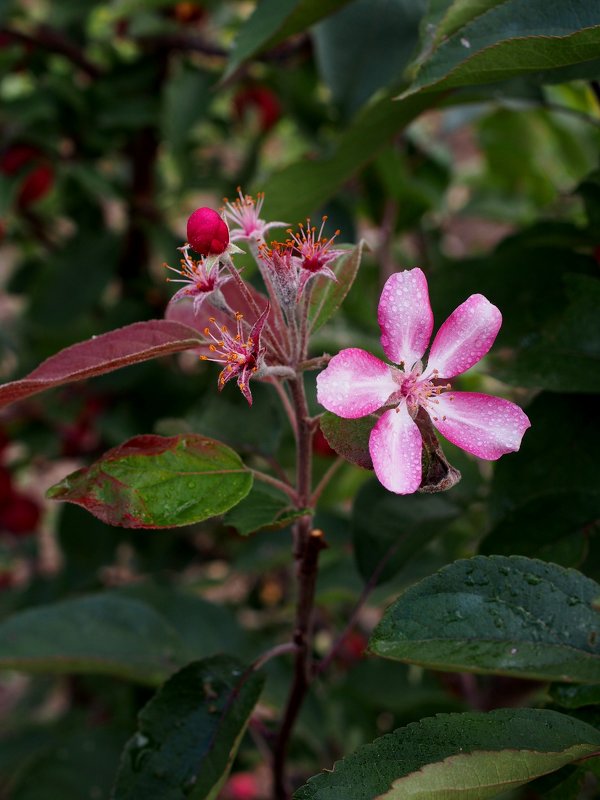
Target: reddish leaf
{"x": 159, "y": 482}
{"x": 109, "y": 351}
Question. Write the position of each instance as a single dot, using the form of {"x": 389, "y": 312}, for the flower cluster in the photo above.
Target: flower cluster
{"x": 356, "y": 383}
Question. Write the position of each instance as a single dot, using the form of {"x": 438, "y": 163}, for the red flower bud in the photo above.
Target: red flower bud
{"x": 207, "y": 232}
{"x": 20, "y": 516}
{"x": 260, "y": 99}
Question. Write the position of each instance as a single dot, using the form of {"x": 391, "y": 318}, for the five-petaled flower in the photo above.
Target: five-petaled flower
{"x": 356, "y": 383}
{"x": 202, "y": 277}
{"x": 244, "y": 214}
{"x": 242, "y": 355}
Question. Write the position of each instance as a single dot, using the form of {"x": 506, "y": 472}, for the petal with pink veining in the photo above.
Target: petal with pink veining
{"x": 465, "y": 337}
{"x": 481, "y": 424}
{"x": 355, "y": 384}
{"x": 395, "y": 446}
{"x": 405, "y": 317}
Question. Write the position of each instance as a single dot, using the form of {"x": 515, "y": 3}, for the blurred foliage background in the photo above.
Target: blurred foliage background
{"x": 117, "y": 119}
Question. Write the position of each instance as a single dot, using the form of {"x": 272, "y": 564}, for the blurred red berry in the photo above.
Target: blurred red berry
{"x": 6, "y": 578}
{"x": 352, "y": 648}
{"x": 241, "y": 786}
{"x": 189, "y": 12}
{"x": 321, "y": 446}
{"x": 2, "y": 231}
{"x": 596, "y": 254}
{"x": 260, "y": 99}
{"x": 39, "y": 179}
{"x": 6, "y": 487}
{"x": 20, "y": 515}
{"x": 207, "y": 232}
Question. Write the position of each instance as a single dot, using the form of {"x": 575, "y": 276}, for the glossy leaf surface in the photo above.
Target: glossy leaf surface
{"x": 159, "y": 482}
{"x": 508, "y": 616}
{"x": 327, "y": 295}
{"x": 188, "y": 733}
{"x": 471, "y": 756}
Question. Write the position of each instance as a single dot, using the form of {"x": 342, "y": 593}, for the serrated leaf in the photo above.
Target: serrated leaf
{"x": 98, "y": 634}
{"x": 471, "y": 756}
{"x": 140, "y": 341}
{"x": 327, "y": 295}
{"x": 273, "y": 21}
{"x": 188, "y": 733}
{"x": 507, "y": 616}
{"x": 159, "y": 482}
{"x": 513, "y": 38}
{"x": 349, "y": 437}
{"x": 264, "y": 507}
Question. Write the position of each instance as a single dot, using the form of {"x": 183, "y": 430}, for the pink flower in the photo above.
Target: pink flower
{"x": 202, "y": 279}
{"x": 242, "y": 355}
{"x": 356, "y": 384}
{"x": 207, "y": 232}
{"x": 313, "y": 253}
{"x": 244, "y": 213}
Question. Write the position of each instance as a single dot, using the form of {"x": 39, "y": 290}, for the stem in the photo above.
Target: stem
{"x": 285, "y": 402}
{"x": 307, "y": 545}
{"x": 274, "y": 652}
{"x": 368, "y": 588}
{"x": 321, "y": 486}
{"x": 283, "y": 487}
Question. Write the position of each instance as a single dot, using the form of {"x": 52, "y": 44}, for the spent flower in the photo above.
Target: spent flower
{"x": 241, "y": 354}
{"x": 312, "y": 252}
{"x": 356, "y": 383}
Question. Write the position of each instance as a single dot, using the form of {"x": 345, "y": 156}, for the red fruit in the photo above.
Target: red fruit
{"x": 207, "y": 232}
{"x": 260, "y": 99}
{"x": 20, "y": 516}
{"x": 39, "y": 179}
{"x": 241, "y": 786}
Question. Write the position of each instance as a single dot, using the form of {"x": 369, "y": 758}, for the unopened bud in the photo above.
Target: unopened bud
{"x": 207, "y": 232}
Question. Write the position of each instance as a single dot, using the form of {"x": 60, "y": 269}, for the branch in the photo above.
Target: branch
{"x": 56, "y": 42}
{"x": 283, "y": 487}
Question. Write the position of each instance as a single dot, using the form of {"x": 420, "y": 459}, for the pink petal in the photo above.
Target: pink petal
{"x": 395, "y": 446}
{"x": 405, "y": 317}
{"x": 355, "y": 384}
{"x": 483, "y": 425}
{"x": 465, "y": 337}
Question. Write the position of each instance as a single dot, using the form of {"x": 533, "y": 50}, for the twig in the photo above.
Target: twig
{"x": 274, "y": 652}
{"x": 50, "y": 39}
{"x": 368, "y": 588}
{"x": 322, "y": 484}
{"x": 283, "y": 487}
{"x": 285, "y": 402}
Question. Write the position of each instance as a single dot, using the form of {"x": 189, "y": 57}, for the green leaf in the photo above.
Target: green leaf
{"x": 458, "y": 13}
{"x": 349, "y": 46}
{"x": 78, "y": 761}
{"x": 264, "y": 507}
{"x": 188, "y": 734}
{"x": 507, "y": 616}
{"x": 565, "y": 355}
{"x": 472, "y": 756}
{"x": 327, "y": 295}
{"x": 102, "y": 634}
{"x": 159, "y": 482}
{"x": 513, "y": 38}
{"x": 299, "y": 189}
{"x": 569, "y": 696}
{"x": 273, "y": 21}
{"x": 396, "y": 527}
{"x": 549, "y": 491}
{"x": 349, "y": 437}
